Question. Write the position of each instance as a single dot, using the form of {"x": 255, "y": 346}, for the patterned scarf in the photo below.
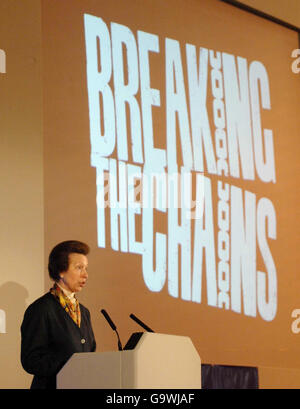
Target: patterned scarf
{"x": 72, "y": 309}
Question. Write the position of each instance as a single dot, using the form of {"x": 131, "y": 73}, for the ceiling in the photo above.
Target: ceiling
{"x": 285, "y": 10}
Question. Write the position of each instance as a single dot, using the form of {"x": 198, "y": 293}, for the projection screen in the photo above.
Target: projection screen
{"x": 171, "y": 147}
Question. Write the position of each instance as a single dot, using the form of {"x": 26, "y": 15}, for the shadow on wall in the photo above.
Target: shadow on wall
{"x": 12, "y": 307}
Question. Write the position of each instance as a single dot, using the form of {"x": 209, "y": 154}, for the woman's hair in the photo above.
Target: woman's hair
{"x": 59, "y": 256}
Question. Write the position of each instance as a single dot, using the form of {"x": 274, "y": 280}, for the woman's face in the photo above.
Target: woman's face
{"x": 74, "y": 279}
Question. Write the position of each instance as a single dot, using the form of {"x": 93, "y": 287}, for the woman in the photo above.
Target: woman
{"x": 55, "y": 326}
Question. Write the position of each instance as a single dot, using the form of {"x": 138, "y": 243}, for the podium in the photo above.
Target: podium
{"x": 148, "y": 361}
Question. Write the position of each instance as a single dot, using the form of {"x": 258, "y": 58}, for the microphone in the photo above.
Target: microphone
{"x": 113, "y": 327}
{"x": 132, "y": 316}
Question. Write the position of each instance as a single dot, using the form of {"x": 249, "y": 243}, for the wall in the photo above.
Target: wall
{"x": 21, "y": 183}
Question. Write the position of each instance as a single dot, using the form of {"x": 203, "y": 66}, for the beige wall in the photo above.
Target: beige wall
{"x": 21, "y": 183}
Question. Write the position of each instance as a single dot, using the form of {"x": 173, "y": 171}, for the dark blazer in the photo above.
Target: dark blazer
{"x": 50, "y": 337}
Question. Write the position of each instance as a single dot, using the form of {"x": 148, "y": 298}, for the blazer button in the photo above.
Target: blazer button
{"x": 83, "y": 341}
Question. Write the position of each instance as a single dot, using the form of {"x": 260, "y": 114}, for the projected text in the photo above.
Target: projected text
{"x": 211, "y": 130}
